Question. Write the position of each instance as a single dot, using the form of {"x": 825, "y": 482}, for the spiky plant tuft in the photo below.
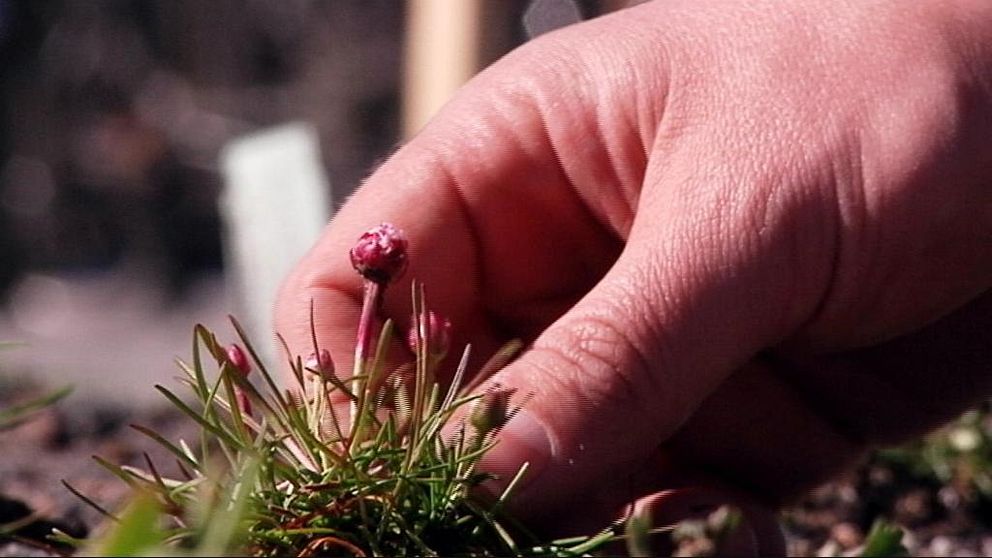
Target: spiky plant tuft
{"x": 370, "y": 464}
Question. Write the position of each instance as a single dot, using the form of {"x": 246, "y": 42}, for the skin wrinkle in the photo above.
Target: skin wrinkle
{"x": 619, "y": 157}
{"x": 649, "y": 113}
{"x": 644, "y": 284}
{"x": 498, "y": 121}
{"x": 585, "y": 379}
{"x": 663, "y": 288}
{"x": 601, "y": 187}
{"x": 475, "y": 238}
{"x": 622, "y": 160}
{"x": 610, "y": 206}
{"x": 852, "y": 209}
{"x": 604, "y": 362}
{"x": 841, "y": 217}
{"x": 718, "y": 213}
{"x": 541, "y": 100}
{"x": 805, "y": 250}
{"x": 633, "y": 366}
{"x": 612, "y": 95}
{"x": 719, "y": 225}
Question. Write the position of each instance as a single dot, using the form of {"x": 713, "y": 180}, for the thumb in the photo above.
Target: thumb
{"x": 619, "y": 373}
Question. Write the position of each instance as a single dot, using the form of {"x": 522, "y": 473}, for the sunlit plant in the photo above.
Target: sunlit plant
{"x": 373, "y": 463}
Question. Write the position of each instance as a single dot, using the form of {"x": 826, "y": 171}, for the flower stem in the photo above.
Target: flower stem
{"x": 371, "y": 302}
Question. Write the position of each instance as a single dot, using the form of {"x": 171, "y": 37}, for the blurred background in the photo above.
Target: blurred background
{"x": 114, "y": 118}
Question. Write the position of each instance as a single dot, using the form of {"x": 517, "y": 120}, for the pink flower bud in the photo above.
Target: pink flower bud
{"x": 322, "y": 364}
{"x": 237, "y": 357}
{"x": 380, "y": 254}
{"x": 438, "y": 336}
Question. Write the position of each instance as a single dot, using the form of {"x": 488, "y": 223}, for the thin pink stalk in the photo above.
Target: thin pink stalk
{"x": 380, "y": 257}
{"x": 367, "y": 323}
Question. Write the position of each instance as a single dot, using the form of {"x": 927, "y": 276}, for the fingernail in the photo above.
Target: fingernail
{"x": 522, "y": 440}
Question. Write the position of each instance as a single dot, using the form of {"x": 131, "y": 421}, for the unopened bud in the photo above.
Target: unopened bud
{"x": 237, "y": 357}
{"x": 321, "y": 364}
{"x": 491, "y": 411}
{"x": 380, "y": 254}
{"x": 240, "y": 362}
{"x": 438, "y": 336}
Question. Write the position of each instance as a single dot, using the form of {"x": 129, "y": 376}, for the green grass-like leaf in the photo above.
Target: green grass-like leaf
{"x": 136, "y": 533}
{"x": 17, "y": 414}
{"x": 291, "y": 477}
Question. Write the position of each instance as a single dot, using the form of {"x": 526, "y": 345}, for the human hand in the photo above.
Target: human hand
{"x": 745, "y": 240}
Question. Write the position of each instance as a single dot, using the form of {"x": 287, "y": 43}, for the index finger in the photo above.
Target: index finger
{"x": 505, "y": 234}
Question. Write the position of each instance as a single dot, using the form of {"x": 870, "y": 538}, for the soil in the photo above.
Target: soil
{"x": 58, "y": 442}
{"x": 56, "y": 445}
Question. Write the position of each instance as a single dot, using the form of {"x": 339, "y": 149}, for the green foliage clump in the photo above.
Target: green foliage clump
{"x": 958, "y": 455}
{"x": 279, "y": 472}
